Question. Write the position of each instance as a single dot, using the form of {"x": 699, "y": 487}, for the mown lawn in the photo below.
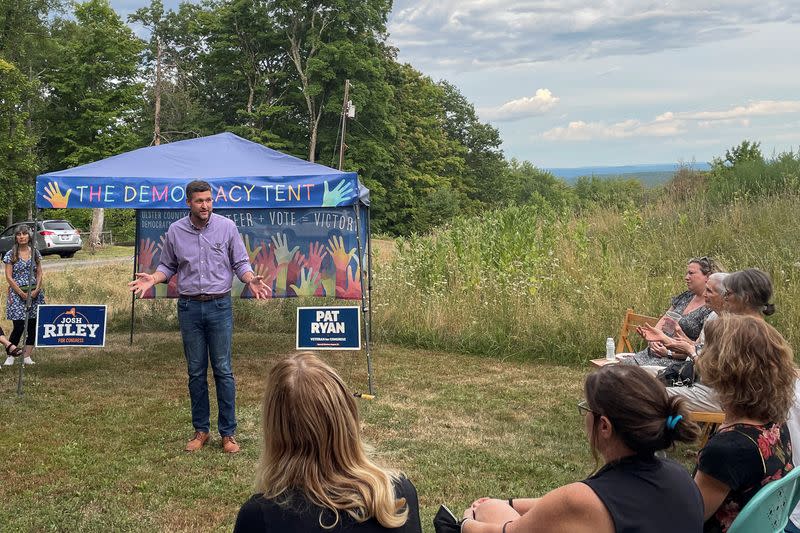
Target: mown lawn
{"x": 96, "y": 442}
{"x": 106, "y": 252}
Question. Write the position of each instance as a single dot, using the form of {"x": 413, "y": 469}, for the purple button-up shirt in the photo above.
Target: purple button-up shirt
{"x": 205, "y": 259}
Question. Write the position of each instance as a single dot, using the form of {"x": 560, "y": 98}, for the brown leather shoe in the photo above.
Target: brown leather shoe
{"x": 198, "y": 441}
{"x": 229, "y": 444}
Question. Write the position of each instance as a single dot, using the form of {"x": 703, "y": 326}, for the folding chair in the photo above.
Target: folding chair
{"x": 768, "y": 511}
{"x": 629, "y": 325}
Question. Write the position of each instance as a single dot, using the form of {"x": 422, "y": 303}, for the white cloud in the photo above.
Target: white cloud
{"x": 586, "y": 131}
{"x": 754, "y": 109}
{"x": 524, "y": 107}
{"x": 670, "y": 124}
{"x": 483, "y": 33}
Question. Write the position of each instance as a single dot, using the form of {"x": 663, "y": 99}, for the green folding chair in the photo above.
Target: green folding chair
{"x": 768, "y": 511}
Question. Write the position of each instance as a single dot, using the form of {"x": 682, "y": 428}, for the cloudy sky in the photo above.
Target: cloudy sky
{"x": 612, "y": 82}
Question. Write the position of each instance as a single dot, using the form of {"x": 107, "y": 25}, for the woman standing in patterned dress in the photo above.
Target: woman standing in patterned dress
{"x": 18, "y": 268}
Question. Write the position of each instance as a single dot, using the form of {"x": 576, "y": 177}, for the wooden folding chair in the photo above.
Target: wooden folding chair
{"x": 709, "y": 421}
{"x": 629, "y": 325}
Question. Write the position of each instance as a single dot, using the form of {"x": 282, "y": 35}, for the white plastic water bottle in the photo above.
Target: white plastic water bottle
{"x": 610, "y": 349}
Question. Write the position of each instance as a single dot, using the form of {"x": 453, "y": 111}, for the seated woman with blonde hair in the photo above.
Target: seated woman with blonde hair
{"x": 628, "y": 417}
{"x": 314, "y": 473}
{"x": 751, "y": 368}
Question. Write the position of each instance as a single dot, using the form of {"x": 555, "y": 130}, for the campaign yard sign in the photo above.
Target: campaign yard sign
{"x": 59, "y": 326}
{"x": 329, "y": 328}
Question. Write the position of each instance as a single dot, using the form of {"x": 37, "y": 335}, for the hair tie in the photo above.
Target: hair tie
{"x": 672, "y": 421}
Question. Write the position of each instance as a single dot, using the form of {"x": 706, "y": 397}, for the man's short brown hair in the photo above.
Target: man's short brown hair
{"x": 196, "y": 186}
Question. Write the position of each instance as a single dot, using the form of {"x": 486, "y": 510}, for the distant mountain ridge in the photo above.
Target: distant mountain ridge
{"x": 570, "y": 174}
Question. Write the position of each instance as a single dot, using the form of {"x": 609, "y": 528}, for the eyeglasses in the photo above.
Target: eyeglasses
{"x": 583, "y": 408}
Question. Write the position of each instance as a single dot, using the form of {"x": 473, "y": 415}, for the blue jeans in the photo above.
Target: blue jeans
{"x": 207, "y": 329}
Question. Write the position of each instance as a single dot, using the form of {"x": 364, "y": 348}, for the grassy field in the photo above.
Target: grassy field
{"x": 483, "y": 331}
{"x": 525, "y": 282}
{"x": 106, "y": 252}
{"x": 96, "y": 442}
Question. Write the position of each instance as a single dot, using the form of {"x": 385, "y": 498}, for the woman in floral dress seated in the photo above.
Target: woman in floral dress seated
{"x": 751, "y": 368}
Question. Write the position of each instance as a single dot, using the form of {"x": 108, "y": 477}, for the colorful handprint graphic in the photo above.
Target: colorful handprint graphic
{"x": 340, "y": 193}
{"x": 52, "y": 193}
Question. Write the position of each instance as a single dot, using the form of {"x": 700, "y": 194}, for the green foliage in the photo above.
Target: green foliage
{"x": 17, "y": 160}
{"x": 746, "y": 151}
{"x": 95, "y": 100}
{"x": 751, "y": 176}
{"x": 522, "y": 184}
{"x": 528, "y": 282}
{"x": 618, "y": 193}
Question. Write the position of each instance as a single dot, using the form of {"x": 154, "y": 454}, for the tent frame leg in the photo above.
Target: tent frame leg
{"x": 133, "y": 278}
{"x": 366, "y": 310}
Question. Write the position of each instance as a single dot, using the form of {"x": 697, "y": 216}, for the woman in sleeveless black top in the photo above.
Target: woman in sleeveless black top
{"x": 628, "y": 417}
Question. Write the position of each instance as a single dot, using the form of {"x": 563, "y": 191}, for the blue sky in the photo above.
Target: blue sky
{"x": 612, "y": 82}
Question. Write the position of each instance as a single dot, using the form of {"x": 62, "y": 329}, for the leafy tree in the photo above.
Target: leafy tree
{"x": 746, "y": 151}
{"x": 25, "y": 42}
{"x": 17, "y": 159}
{"x": 94, "y": 105}
{"x": 321, "y": 41}
{"x": 523, "y": 184}
{"x": 486, "y": 167}
{"x": 427, "y": 162}
{"x": 246, "y": 72}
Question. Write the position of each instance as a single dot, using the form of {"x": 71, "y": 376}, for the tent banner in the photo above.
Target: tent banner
{"x": 299, "y": 252}
{"x": 164, "y": 193}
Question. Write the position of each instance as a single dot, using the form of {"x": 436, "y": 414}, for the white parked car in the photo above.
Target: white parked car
{"x": 52, "y": 237}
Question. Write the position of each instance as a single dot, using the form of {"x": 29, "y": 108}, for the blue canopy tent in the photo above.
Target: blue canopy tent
{"x": 242, "y": 174}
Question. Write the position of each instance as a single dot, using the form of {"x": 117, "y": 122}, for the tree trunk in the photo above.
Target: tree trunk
{"x": 98, "y": 215}
{"x": 10, "y": 217}
{"x": 312, "y": 143}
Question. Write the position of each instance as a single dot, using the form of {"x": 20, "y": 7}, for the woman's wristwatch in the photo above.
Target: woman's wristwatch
{"x": 669, "y": 353}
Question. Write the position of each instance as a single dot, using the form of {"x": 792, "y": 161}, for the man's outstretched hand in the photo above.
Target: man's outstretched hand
{"x": 142, "y": 283}
{"x": 258, "y": 288}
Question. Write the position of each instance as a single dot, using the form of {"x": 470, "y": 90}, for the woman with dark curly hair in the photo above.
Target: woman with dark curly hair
{"x": 751, "y": 368}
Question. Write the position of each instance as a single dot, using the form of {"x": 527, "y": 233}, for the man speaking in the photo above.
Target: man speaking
{"x": 205, "y": 250}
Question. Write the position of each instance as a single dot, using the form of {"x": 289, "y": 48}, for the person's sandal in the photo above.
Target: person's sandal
{"x": 16, "y": 352}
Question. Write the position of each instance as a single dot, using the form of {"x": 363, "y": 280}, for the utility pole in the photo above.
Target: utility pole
{"x": 157, "y": 119}
{"x": 345, "y": 111}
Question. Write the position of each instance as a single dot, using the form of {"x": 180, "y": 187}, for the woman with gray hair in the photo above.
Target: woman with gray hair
{"x": 681, "y": 345}
{"x": 746, "y": 292}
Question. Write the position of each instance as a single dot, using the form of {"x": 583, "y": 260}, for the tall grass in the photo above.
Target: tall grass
{"x": 533, "y": 282}
{"x": 522, "y": 282}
